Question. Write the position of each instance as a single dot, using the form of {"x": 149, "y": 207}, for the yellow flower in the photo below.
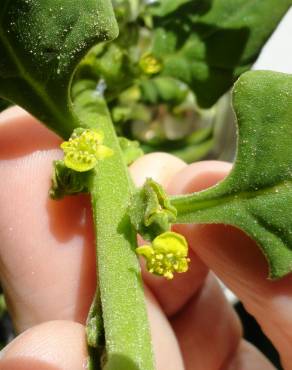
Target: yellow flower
{"x": 166, "y": 255}
{"x": 84, "y": 149}
{"x": 149, "y": 64}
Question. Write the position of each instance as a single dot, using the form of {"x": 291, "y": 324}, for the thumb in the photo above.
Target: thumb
{"x": 238, "y": 262}
{"x": 54, "y": 345}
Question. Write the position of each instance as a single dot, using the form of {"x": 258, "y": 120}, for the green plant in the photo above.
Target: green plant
{"x": 41, "y": 45}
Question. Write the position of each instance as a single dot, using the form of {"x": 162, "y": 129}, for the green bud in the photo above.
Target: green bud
{"x": 131, "y": 150}
{"x": 150, "y": 211}
{"x": 66, "y": 181}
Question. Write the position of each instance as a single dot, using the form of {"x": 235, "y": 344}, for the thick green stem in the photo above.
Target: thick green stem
{"x": 127, "y": 335}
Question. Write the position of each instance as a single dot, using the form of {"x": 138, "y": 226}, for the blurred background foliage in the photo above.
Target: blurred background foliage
{"x": 149, "y": 103}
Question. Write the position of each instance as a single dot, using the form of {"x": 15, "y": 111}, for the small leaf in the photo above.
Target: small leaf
{"x": 257, "y": 195}
{"x": 94, "y": 324}
{"x": 41, "y": 43}
{"x": 163, "y": 89}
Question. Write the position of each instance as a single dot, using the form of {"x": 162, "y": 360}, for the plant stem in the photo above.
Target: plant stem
{"x": 127, "y": 335}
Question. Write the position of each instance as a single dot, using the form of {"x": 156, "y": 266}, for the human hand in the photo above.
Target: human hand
{"x": 47, "y": 268}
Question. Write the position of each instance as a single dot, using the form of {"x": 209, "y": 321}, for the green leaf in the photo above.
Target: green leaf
{"x": 163, "y": 89}
{"x": 41, "y": 43}
{"x": 257, "y": 195}
{"x": 216, "y": 42}
{"x": 94, "y": 324}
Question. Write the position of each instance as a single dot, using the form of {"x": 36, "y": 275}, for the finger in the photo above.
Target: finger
{"x": 47, "y": 259}
{"x": 239, "y": 263}
{"x": 61, "y": 345}
{"x": 161, "y": 167}
{"x": 198, "y": 306}
{"x": 247, "y": 357}
{"x": 171, "y": 294}
{"x": 55, "y": 345}
{"x": 165, "y": 345}
{"x": 207, "y": 328}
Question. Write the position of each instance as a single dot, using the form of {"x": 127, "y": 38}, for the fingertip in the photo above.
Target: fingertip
{"x": 12, "y": 113}
{"x": 166, "y": 347}
{"x": 55, "y": 345}
{"x": 248, "y": 357}
{"x": 41, "y": 247}
{"x": 22, "y": 134}
{"x": 207, "y": 312}
{"x": 198, "y": 176}
{"x": 161, "y": 167}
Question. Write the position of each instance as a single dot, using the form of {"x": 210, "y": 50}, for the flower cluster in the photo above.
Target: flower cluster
{"x": 84, "y": 149}
{"x": 166, "y": 255}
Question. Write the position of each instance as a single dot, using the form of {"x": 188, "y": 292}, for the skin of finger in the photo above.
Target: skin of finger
{"x": 165, "y": 345}
{"x": 247, "y": 357}
{"x": 171, "y": 294}
{"x": 54, "y": 345}
{"x": 239, "y": 263}
{"x": 161, "y": 167}
{"x": 61, "y": 345}
{"x": 207, "y": 328}
{"x": 47, "y": 259}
